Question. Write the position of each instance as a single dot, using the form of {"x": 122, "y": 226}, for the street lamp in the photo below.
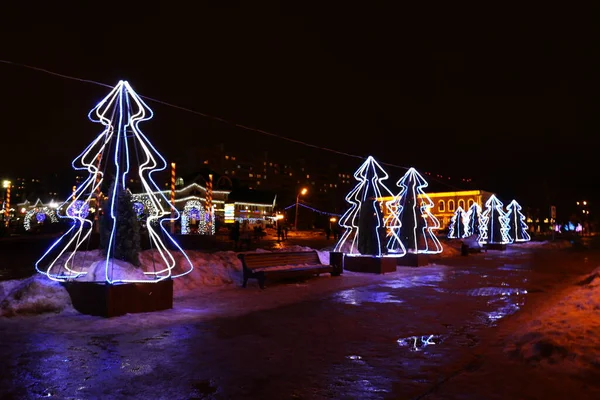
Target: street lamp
{"x": 302, "y": 192}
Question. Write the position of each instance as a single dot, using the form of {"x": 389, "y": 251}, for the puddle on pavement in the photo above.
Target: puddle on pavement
{"x": 419, "y": 343}
{"x": 414, "y": 281}
{"x": 357, "y": 297}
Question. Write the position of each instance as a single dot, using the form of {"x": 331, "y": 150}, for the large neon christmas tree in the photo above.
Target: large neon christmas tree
{"x": 517, "y": 228}
{"x": 120, "y": 156}
{"x": 458, "y": 224}
{"x": 496, "y": 222}
{"x": 475, "y": 222}
{"x": 415, "y": 221}
{"x": 365, "y": 230}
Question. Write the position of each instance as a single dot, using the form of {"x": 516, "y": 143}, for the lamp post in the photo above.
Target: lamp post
{"x": 6, "y": 185}
{"x": 302, "y": 192}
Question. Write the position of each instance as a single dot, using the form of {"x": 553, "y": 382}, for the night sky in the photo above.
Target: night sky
{"x": 506, "y": 97}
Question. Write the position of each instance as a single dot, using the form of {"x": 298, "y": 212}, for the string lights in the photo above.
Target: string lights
{"x": 476, "y": 223}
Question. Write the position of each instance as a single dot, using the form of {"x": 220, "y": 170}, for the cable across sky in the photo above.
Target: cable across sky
{"x": 222, "y": 120}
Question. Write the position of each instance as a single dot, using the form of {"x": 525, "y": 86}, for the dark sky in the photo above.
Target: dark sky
{"x": 508, "y": 97}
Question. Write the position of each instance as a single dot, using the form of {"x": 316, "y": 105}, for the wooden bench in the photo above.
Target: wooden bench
{"x": 265, "y": 265}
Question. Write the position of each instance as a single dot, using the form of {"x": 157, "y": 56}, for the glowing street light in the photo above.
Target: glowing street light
{"x": 302, "y": 192}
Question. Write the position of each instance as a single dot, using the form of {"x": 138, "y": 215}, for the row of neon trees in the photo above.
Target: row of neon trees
{"x": 494, "y": 225}
{"x": 120, "y": 154}
{"x": 379, "y": 223}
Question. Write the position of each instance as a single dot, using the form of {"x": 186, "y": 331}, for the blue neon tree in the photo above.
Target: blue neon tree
{"x": 516, "y": 222}
{"x": 416, "y": 223}
{"x": 120, "y": 156}
{"x": 458, "y": 224}
{"x": 363, "y": 221}
{"x": 475, "y": 222}
{"x": 496, "y": 222}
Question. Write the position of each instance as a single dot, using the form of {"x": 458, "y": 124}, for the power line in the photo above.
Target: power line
{"x": 222, "y": 120}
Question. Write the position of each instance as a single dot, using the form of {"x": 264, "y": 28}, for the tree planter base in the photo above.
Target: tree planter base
{"x": 336, "y": 259}
{"x": 374, "y": 265}
{"x": 413, "y": 260}
{"x": 119, "y": 299}
{"x": 495, "y": 246}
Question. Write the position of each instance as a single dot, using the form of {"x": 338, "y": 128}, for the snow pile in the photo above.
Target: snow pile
{"x": 38, "y": 294}
{"x": 33, "y": 295}
{"x": 564, "y": 335}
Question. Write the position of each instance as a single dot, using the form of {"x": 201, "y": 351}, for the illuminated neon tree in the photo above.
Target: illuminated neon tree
{"x": 416, "y": 223}
{"x": 365, "y": 229}
{"x": 475, "y": 222}
{"x": 458, "y": 224}
{"x": 120, "y": 156}
{"x": 496, "y": 222}
{"x": 516, "y": 223}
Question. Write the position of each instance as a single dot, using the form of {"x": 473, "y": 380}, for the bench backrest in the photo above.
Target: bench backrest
{"x": 262, "y": 260}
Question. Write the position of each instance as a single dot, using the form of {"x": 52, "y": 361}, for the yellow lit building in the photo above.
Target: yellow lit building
{"x": 445, "y": 203}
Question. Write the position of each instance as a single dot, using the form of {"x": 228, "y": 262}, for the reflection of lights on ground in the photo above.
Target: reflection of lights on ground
{"x": 418, "y": 280}
{"x": 356, "y": 297}
{"x": 418, "y": 343}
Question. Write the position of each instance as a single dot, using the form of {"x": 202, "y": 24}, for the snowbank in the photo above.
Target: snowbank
{"x": 38, "y": 294}
{"x": 33, "y": 295}
{"x": 564, "y": 335}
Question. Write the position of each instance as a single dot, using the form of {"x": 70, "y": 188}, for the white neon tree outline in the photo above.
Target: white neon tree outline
{"x": 517, "y": 226}
{"x": 476, "y": 210}
{"x": 416, "y": 183}
{"x": 459, "y": 217}
{"x": 117, "y": 105}
{"x": 349, "y": 220}
{"x": 494, "y": 213}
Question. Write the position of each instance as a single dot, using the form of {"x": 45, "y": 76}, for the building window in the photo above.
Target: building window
{"x": 470, "y": 202}
{"x": 441, "y": 206}
{"x": 450, "y": 205}
{"x": 461, "y": 204}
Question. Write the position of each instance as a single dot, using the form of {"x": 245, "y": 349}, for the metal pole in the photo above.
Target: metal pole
{"x": 296, "y": 219}
{"x": 8, "y": 203}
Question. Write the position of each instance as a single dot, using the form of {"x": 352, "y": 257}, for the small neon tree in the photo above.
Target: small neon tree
{"x": 458, "y": 224}
{"x": 365, "y": 229}
{"x": 120, "y": 156}
{"x": 415, "y": 220}
{"x": 516, "y": 222}
{"x": 475, "y": 222}
{"x": 496, "y": 222}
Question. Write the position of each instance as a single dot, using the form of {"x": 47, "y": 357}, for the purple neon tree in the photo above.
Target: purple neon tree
{"x": 458, "y": 224}
{"x": 416, "y": 223}
{"x": 496, "y": 222}
{"x": 363, "y": 221}
{"x": 517, "y": 228}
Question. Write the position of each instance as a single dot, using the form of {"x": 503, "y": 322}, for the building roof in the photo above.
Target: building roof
{"x": 252, "y": 196}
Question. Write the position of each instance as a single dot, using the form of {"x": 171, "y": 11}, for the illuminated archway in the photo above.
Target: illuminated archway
{"x": 193, "y": 219}
{"x": 40, "y": 214}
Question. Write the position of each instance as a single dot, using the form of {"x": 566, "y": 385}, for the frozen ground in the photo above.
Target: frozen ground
{"x": 435, "y": 332}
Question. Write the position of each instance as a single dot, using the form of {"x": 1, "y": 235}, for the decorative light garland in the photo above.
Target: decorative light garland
{"x": 312, "y": 209}
{"x": 476, "y": 222}
{"x": 38, "y": 212}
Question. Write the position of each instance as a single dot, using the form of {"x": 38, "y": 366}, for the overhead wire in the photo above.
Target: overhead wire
{"x": 219, "y": 119}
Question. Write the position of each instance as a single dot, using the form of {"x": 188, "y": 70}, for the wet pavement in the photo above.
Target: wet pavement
{"x": 403, "y": 335}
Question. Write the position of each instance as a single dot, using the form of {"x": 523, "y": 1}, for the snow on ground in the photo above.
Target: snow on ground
{"x": 38, "y": 294}
{"x": 565, "y": 334}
